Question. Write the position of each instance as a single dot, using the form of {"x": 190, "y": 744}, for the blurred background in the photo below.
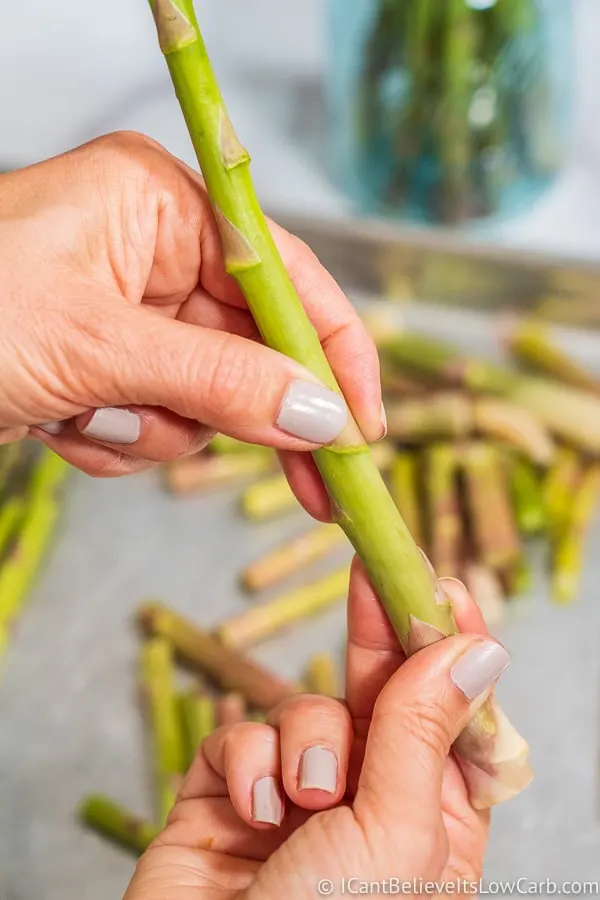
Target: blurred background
{"x": 463, "y": 184}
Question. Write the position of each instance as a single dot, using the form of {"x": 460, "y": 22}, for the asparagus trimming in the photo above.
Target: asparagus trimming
{"x": 116, "y": 823}
{"x": 292, "y": 557}
{"x": 492, "y": 754}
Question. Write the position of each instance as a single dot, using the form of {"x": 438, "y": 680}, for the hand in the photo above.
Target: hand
{"x": 328, "y": 790}
{"x": 115, "y": 298}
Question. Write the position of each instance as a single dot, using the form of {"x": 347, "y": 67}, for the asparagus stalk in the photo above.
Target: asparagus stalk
{"x": 10, "y": 516}
{"x": 404, "y": 487}
{"x": 263, "y": 621}
{"x": 9, "y": 457}
{"x": 565, "y": 412}
{"x": 267, "y": 499}
{"x": 568, "y": 557}
{"x": 496, "y": 765}
{"x": 231, "y": 670}
{"x": 493, "y": 523}
{"x": 290, "y": 558}
{"x": 561, "y": 485}
{"x": 232, "y": 709}
{"x": 158, "y": 689}
{"x": 531, "y": 344}
{"x": 527, "y": 497}
{"x": 203, "y": 472}
{"x": 321, "y": 675}
{"x": 439, "y": 415}
{"x": 446, "y": 530}
{"x": 198, "y": 718}
{"x": 514, "y": 425}
{"x": 118, "y": 824}
{"x": 227, "y": 446}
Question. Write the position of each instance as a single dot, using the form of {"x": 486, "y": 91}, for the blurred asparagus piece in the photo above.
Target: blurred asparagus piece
{"x": 404, "y": 487}
{"x": 321, "y": 675}
{"x": 230, "y": 669}
{"x": 118, "y": 824}
{"x": 203, "y": 471}
{"x": 292, "y": 557}
{"x": 11, "y": 514}
{"x": 197, "y": 711}
{"x": 568, "y": 555}
{"x": 443, "y": 512}
{"x": 527, "y": 497}
{"x": 157, "y": 683}
{"x": 531, "y": 344}
{"x": 492, "y": 518}
{"x": 267, "y": 619}
{"x": 561, "y": 486}
{"x": 227, "y": 446}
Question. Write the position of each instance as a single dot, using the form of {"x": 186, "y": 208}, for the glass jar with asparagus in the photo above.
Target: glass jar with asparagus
{"x": 448, "y": 111}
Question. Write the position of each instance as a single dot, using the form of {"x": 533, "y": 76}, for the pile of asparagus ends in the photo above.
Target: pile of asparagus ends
{"x": 492, "y": 755}
{"x": 30, "y": 494}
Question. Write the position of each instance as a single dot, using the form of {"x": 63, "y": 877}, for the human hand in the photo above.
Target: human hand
{"x": 329, "y": 790}
{"x": 115, "y": 298}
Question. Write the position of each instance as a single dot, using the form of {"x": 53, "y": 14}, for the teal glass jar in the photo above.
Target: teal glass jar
{"x": 449, "y": 111}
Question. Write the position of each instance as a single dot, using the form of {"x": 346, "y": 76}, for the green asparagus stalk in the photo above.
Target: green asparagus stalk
{"x": 263, "y": 621}
{"x": 198, "y": 718}
{"x": 568, "y": 556}
{"x": 290, "y": 558}
{"x": 230, "y": 669}
{"x": 157, "y": 681}
{"x": 321, "y": 675}
{"x": 514, "y": 425}
{"x": 268, "y": 498}
{"x": 527, "y": 497}
{"x": 561, "y": 485}
{"x": 531, "y": 344}
{"x": 492, "y": 518}
{"x": 10, "y": 516}
{"x": 118, "y": 824}
{"x": 566, "y": 412}
{"x": 202, "y": 472}
{"x": 404, "y": 487}
{"x": 496, "y": 765}
{"x": 440, "y": 415}
{"x": 454, "y": 134}
{"x": 443, "y": 507}
{"x": 227, "y": 446}
{"x": 9, "y": 457}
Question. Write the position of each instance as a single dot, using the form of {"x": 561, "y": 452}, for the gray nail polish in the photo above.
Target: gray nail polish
{"x": 479, "y": 668}
{"x": 312, "y": 412}
{"x": 51, "y": 427}
{"x": 318, "y": 770}
{"x": 118, "y": 426}
{"x": 267, "y": 805}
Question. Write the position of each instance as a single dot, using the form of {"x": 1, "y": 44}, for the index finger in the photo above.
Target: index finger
{"x": 374, "y": 652}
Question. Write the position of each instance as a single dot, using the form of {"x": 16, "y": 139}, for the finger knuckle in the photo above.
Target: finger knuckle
{"x": 235, "y": 382}
{"x": 424, "y": 721}
{"x": 116, "y": 465}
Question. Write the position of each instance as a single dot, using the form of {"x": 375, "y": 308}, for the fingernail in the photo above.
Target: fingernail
{"x": 440, "y": 599}
{"x": 318, "y": 770}
{"x": 267, "y": 805}
{"x": 479, "y": 668}
{"x": 119, "y": 426}
{"x": 312, "y": 413}
{"x": 384, "y": 422}
{"x": 454, "y": 589}
{"x": 51, "y": 427}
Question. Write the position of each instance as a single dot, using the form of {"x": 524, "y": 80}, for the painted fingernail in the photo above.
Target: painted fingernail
{"x": 51, "y": 427}
{"x": 119, "y": 426}
{"x": 440, "y": 597}
{"x": 479, "y": 668}
{"x": 318, "y": 770}
{"x": 267, "y": 805}
{"x": 312, "y": 413}
{"x": 384, "y": 422}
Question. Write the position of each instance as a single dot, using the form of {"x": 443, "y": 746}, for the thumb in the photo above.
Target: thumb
{"x": 417, "y": 717}
{"x": 231, "y": 384}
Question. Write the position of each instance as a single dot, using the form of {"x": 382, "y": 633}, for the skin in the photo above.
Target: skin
{"x": 400, "y": 807}
{"x": 114, "y": 295}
